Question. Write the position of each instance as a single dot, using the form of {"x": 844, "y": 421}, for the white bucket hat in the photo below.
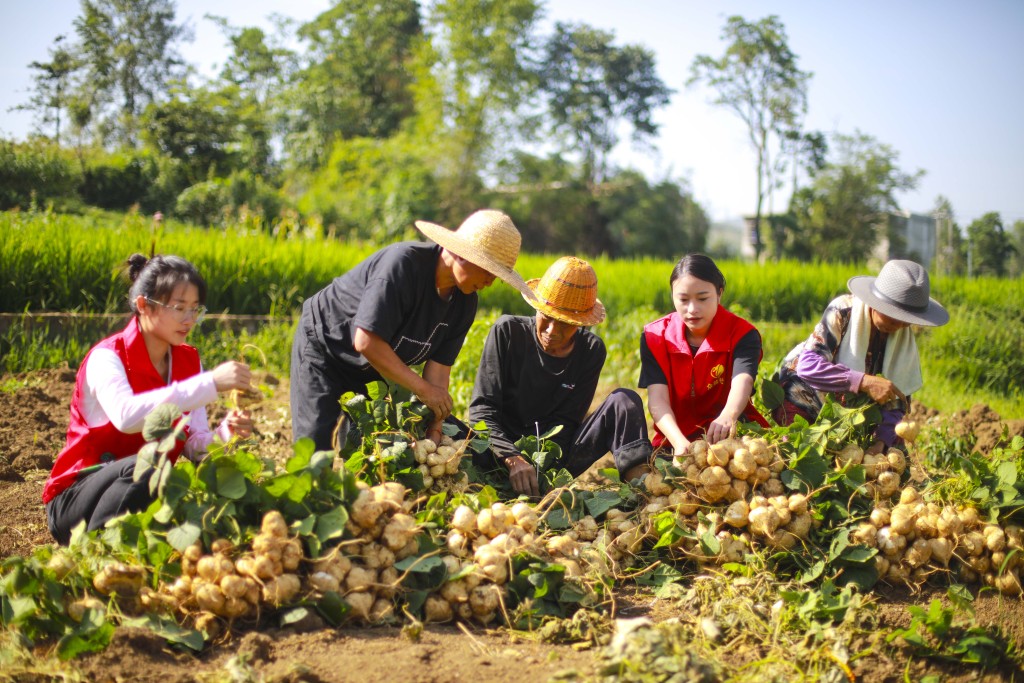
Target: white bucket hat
{"x": 900, "y": 291}
{"x": 488, "y": 239}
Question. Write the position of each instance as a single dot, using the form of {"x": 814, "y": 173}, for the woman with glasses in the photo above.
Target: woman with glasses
{"x": 121, "y": 380}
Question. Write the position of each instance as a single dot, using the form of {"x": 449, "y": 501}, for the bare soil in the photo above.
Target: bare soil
{"x": 33, "y": 420}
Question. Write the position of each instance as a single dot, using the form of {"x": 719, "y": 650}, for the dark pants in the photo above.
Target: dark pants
{"x": 787, "y": 412}
{"x": 97, "y": 498}
{"x": 317, "y": 385}
{"x": 618, "y": 425}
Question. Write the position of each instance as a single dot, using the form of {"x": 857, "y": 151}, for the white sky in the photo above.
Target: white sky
{"x": 941, "y": 81}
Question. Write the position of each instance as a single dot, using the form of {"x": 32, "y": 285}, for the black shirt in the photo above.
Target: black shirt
{"x": 521, "y": 390}
{"x": 392, "y": 293}
{"x": 745, "y": 359}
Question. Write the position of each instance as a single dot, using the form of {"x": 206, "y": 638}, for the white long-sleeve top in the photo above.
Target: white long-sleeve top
{"x": 107, "y": 396}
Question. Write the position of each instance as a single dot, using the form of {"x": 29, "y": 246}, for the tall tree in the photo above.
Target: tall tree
{"x": 52, "y": 87}
{"x": 758, "y": 80}
{"x": 990, "y": 248}
{"x": 356, "y": 78}
{"x": 841, "y": 214}
{"x": 592, "y": 86}
{"x": 1017, "y": 240}
{"x": 472, "y": 80}
{"x": 129, "y": 51}
{"x": 950, "y": 253}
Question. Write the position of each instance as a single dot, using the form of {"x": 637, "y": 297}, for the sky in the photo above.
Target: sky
{"x": 940, "y": 81}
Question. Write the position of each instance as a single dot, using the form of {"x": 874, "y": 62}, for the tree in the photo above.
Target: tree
{"x": 52, "y": 87}
{"x": 950, "y": 250}
{"x": 991, "y": 249}
{"x": 652, "y": 220}
{"x": 356, "y": 78}
{"x": 128, "y": 51}
{"x": 1017, "y": 240}
{"x": 472, "y": 81}
{"x": 592, "y": 86}
{"x": 841, "y": 214}
{"x": 757, "y": 79}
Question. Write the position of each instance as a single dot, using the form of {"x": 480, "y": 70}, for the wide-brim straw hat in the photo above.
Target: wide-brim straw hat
{"x": 488, "y": 239}
{"x": 901, "y": 291}
{"x": 568, "y": 292}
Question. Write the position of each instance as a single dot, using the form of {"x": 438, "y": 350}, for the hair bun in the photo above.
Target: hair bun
{"x": 136, "y": 262}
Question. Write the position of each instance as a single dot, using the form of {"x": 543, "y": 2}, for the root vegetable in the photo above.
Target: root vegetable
{"x": 324, "y": 582}
{"x": 274, "y": 524}
{"x": 908, "y": 430}
{"x": 209, "y": 597}
{"x": 422, "y": 448}
{"x": 377, "y": 556}
{"x": 291, "y": 554}
{"x": 891, "y": 543}
{"x": 382, "y": 609}
{"x": 850, "y": 454}
{"x": 437, "y": 610}
{"x": 120, "y": 578}
{"x": 193, "y": 552}
{"x": 655, "y": 484}
{"x": 880, "y": 517}
{"x": 209, "y": 624}
{"x": 942, "y": 550}
{"x": 996, "y": 540}
{"x": 764, "y": 520}
{"x": 718, "y": 455}
{"x": 902, "y": 519}
{"x": 222, "y": 546}
{"x": 798, "y": 503}
{"x": 268, "y": 545}
{"x": 897, "y": 461}
{"x": 918, "y": 554}
{"x": 281, "y": 589}
{"x": 1008, "y": 583}
{"x": 76, "y": 610}
{"x": 484, "y": 599}
{"x": 973, "y": 543}
{"x": 399, "y": 531}
{"x": 234, "y": 608}
{"x": 743, "y": 464}
{"x": 361, "y": 604}
{"x": 737, "y": 513}
{"x": 366, "y": 510}
{"x": 866, "y": 534}
{"x": 360, "y": 579}
{"x": 233, "y": 586}
{"x": 800, "y": 525}
{"x": 773, "y": 487}
{"x": 455, "y": 592}
{"x": 888, "y": 484}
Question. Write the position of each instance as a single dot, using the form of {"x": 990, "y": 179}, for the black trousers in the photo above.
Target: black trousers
{"x": 317, "y": 384}
{"x": 98, "y": 497}
{"x": 618, "y": 425}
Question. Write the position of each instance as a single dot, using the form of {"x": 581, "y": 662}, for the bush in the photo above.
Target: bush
{"x": 35, "y": 173}
{"x": 205, "y": 203}
{"x": 119, "y": 181}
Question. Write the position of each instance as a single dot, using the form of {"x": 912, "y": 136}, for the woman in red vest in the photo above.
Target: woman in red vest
{"x": 120, "y": 381}
{"x": 698, "y": 363}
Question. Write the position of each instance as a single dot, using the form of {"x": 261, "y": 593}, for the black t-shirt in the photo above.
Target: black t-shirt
{"x": 745, "y": 359}
{"x": 521, "y": 390}
{"x": 392, "y": 293}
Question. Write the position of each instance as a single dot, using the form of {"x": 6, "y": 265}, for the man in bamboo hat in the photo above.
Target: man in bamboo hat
{"x": 406, "y": 304}
{"x": 542, "y": 371}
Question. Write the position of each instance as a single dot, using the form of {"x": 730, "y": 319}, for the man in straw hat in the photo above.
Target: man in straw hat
{"x": 864, "y": 343}
{"x": 540, "y": 372}
{"x": 408, "y": 303}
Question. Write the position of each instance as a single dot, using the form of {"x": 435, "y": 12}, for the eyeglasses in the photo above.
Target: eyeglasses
{"x": 197, "y": 314}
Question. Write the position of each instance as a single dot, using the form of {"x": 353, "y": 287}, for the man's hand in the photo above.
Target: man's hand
{"x": 434, "y": 431}
{"x": 523, "y": 475}
{"x": 437, "y": 399}
{"x": 880, "y": 389}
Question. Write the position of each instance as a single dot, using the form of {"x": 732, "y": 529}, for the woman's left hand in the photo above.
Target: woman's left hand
{"x": 722, "y": 427}
{"x": 240, "y": 423}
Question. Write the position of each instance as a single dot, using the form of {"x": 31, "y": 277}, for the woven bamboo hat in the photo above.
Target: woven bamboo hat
{"x": 901, "y": 291}
{"x": 568, "y": 292}
{"x": 488, "y": 239}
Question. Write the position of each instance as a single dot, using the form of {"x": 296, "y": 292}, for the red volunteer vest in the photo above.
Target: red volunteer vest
{"x": 698, "y": 386}
{"x": 87, "y": 446}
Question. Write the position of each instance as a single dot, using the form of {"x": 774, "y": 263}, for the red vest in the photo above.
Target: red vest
{"x": 91, "y": 446}
{"x": 698, "y": 386}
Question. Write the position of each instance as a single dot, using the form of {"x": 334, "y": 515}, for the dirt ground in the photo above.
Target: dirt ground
{"x": 33, "y": 420}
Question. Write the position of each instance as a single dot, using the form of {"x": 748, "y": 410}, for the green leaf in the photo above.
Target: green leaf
{"x": 145, "y": 461}
{"x": 160, "y": 421}
{"x": 332, "y": 608}
{"x": 331, "y": 524}
{"x": 602, "y": 501}
{"x": 419, "y": 564}
{"x": 772, "y": 394}
{"x": 181, "y": 537}
{"x": 230, "y": 483}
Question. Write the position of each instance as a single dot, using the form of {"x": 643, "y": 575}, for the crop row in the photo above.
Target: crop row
{"x": 69, "y": 263}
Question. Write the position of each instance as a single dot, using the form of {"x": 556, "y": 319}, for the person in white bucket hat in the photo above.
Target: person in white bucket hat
{"x": 406, "y": 304}
{"x": 864, "y": 343}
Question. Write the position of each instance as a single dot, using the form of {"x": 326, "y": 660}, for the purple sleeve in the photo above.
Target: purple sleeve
{"x": 886, "y": 429}
{"x": 824, "y": 375}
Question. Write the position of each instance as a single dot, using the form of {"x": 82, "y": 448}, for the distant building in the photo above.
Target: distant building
{"x": 908, "y": 236}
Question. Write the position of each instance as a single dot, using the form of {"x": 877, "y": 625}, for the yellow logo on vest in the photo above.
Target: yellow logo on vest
{"x": 717, "y": 371}
{"x": 717, "y": 378}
